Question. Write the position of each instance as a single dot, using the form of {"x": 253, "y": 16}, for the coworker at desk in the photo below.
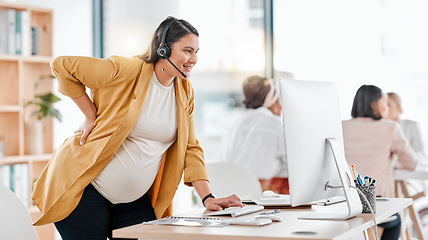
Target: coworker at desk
{"x": 124, "y": 165}
{"x": 370, "y": 142}
{"x": 410, "y": 128}
{"x": 257, "y": 139}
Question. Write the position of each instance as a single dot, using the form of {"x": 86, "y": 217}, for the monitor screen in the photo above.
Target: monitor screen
{"x": 314, "y": 142}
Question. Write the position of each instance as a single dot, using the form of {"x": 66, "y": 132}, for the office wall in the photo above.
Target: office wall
{"x": 129, "y": 24}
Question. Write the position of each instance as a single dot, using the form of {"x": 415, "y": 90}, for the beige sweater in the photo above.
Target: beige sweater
{"x": 370, "y": 145}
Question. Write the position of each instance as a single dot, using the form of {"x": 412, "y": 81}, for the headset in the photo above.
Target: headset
{"x": 164, "y": 51}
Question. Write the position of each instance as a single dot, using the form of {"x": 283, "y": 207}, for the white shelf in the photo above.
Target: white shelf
{"x": 31, "y": 59}
{"x": 25, "y": 158}
{"x": 9, "y": 108}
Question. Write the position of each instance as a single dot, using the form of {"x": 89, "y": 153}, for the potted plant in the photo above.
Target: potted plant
{"x": 42, "y": 108}
{"x": 44, "y": 103}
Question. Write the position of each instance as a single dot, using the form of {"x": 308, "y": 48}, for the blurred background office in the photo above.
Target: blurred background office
{"x": 351, "y": 42}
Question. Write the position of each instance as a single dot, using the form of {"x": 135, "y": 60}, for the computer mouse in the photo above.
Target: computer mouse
{"x": 274, "y": 218}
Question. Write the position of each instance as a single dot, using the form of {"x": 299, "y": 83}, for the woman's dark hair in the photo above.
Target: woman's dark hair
{"x": 179, "y": 28}
{"x": 362, "y": 106}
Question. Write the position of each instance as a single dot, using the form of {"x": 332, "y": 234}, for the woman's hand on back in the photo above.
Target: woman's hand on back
{"x": 90, "y": 111}
{"x": 85, "y": 128}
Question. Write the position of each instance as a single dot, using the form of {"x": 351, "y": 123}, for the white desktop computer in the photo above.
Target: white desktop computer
{"x": 317, "y": 167}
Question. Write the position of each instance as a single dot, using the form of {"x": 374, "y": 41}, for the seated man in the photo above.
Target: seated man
{"x": 257, "y": 139}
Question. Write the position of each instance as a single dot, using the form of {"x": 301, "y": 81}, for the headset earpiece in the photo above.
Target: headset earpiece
{"x": 164, "y": 51}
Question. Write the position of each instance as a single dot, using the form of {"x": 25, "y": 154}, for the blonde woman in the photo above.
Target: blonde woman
{"x": 410, "y": 128}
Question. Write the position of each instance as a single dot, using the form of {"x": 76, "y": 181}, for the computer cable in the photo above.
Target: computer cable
{"x": 371, "y": 209}
{"x": 365, "y": 199}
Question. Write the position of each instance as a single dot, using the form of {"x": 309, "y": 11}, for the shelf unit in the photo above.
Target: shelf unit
{"x": 17, "y": 77}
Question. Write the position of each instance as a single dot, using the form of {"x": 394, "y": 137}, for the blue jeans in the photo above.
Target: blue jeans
{"x": 95, "y": 217}
{"x": 391, "y": 230}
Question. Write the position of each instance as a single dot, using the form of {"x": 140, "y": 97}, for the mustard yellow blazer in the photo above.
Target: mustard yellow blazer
{"x": 118, "y": 88}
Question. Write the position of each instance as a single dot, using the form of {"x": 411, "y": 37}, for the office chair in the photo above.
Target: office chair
{"x": 15, "y": 221}
{"x": 227, "y": 178}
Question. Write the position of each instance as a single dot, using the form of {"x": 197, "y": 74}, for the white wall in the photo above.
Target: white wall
{"x": 129, "y": 24}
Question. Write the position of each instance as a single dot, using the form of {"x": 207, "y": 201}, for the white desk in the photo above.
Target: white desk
{"x": 286, "y": 229}
{"x": 400, "y": 177}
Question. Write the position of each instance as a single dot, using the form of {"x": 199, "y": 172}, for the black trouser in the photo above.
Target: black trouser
{"x": 95, "y": 217}
{"x": 391, "y": 230}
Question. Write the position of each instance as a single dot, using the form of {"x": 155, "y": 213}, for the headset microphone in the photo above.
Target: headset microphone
{"x": 184, "y": 75}
{"x": 164, "y": 51}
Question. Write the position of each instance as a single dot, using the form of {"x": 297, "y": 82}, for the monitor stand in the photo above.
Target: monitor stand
{"x": 351, "y": 195}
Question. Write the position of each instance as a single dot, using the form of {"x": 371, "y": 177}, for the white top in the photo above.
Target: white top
{"x": 257, "y": 141}
{"x": 412, "y": 132}
{"x": 133, "y": 168}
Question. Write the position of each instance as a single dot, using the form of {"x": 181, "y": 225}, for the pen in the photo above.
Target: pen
{"x": 270, "y": 212}
{"x": 359, "y": 180}
{"x": 353, "y": 170}
{"x": 366, "y": 180}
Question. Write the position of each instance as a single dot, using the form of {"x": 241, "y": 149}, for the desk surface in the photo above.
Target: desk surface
{"x": 277, "y": 230}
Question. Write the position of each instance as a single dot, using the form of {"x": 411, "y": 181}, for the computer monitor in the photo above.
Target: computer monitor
{"x": 314, "y": 145}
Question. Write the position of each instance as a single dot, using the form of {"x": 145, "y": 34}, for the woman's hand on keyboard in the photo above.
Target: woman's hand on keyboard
{"x": 217, "y": 204}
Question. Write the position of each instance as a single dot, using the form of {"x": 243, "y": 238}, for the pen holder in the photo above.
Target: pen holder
{"x": 370, "y": 193}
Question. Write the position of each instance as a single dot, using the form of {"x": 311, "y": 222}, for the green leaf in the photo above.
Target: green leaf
{"x": 44, "y": 103}
{"x": 48, "y": 98}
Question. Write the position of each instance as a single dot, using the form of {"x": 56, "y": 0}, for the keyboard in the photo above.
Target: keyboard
{"x": 237, "y": 211}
